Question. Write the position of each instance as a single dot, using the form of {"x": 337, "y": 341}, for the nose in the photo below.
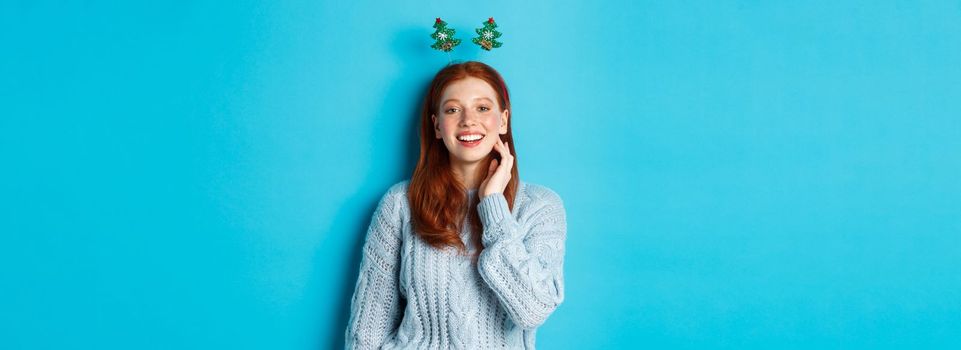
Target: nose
{"x": 468, "y": 118}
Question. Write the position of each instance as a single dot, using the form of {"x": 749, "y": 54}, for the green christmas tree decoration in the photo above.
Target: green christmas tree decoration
{"x": 444, "y": 36}
{"x": 487, "y": 35}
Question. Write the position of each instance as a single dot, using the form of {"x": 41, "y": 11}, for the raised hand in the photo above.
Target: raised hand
{"x": 499, "y": 173}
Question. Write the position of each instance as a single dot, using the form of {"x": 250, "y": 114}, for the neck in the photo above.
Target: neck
{"x": 467, "y": 173}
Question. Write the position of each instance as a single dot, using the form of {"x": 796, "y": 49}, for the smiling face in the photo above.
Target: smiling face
{"x": 469, "y": 120}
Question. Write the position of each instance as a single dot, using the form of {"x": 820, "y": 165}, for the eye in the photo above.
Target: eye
{"x": 483, "y": 109}
{"x": 450, "y": 110}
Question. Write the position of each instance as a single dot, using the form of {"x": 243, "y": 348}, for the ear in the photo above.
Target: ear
{"x": 505, "y": 116}
{"x": 433, "y": 118}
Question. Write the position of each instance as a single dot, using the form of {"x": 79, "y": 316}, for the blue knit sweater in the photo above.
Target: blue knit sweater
{"x": 410, "y": 295}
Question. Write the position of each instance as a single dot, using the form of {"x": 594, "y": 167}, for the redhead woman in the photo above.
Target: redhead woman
{"x": 463, "y": 255}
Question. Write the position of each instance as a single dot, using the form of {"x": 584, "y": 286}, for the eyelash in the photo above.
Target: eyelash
{"x": 448, "y": 111}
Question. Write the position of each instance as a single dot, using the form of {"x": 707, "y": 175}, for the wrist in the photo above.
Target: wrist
{"x": 493, "y": 209}
{"x": 485, "y": 194}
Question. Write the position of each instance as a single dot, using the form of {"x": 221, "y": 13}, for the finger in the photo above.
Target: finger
{"x": 499, "y": 145}
{"x": 492, "y": 168}
{"x": 505, "y": 165}
{"x": 506, "y": 155}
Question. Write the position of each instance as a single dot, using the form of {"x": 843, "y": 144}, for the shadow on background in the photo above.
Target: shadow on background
{"x": 409, "y": 89}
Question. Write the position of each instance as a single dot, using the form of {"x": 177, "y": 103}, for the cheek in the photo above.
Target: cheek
{"x": 447, "y": 127}
{"x": 492, "y": 122}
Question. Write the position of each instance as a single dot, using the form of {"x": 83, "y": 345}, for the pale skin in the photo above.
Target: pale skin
{"x": 470, "y": 104}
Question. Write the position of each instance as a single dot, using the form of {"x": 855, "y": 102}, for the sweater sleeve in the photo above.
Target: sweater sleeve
{"x": 375, "y": 309}
{"x": 522, "y": 262}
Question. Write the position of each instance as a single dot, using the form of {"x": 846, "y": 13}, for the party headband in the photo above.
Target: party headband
{"x": 445, "y": 41}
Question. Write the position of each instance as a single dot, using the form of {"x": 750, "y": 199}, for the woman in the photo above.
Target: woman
{"x": 463, "y": 255}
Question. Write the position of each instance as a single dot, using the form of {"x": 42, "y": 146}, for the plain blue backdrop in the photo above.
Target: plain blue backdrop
{"x": 736, "y": 174}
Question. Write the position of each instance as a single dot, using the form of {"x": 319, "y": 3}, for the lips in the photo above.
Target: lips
{"x": 470, "y": 139}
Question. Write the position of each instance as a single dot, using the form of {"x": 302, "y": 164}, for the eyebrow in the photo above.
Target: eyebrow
{"x": 476, "y": 98}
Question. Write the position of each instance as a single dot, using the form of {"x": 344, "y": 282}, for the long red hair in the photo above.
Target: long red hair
{"x": 438, "y": 199}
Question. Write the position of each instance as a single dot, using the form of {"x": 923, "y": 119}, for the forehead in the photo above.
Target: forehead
{"x": 468, "y": 89}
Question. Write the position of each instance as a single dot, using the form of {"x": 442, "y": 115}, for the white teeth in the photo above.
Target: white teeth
{"x": 469, "y": 137}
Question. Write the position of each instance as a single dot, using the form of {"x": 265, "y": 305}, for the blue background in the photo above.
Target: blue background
{"x": 738, "y": 174}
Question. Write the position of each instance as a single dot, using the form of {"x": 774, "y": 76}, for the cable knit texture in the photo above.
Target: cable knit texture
{"x": 410, "y": 295}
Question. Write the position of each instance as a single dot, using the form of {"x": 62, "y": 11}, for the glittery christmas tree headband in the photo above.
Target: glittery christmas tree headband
{"x": 445, "y": 41}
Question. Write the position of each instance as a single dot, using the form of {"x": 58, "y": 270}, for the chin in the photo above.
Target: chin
{"x": 469, "y": 158}
{"x": 472, "y": 156}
